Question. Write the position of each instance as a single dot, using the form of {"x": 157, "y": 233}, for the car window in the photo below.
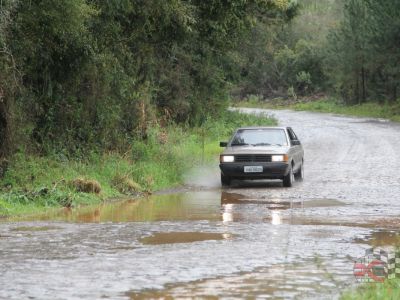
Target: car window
{"x": 260, "y": 137}
{"x": 292, "y": 135}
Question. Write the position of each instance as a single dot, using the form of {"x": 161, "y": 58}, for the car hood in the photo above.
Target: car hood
{"x": 256, "y": 150}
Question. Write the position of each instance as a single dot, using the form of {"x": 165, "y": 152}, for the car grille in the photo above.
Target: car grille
{"x": 253, "y": 158}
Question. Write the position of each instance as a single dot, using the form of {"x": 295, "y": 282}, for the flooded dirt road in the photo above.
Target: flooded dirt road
{"x": 255, "y": 239}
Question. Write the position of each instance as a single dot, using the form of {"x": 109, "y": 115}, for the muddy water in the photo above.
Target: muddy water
{"x": 188, "y": 206}
{"x": 208, "y": 243}
{"x": 183, "y": 237}
{"x": 166, "y": 207}
{"x": 255, "y": 239}
{"x": 308, "y": 280}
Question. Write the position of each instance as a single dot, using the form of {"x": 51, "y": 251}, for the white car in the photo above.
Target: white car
{"x": 262, "y": 153}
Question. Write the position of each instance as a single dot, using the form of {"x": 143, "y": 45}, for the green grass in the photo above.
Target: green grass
{"x": 328, "y": 105}
{"x": 34, "y": 183}
{"x": 389, "y": 290}
{"x": 369, "y": 109}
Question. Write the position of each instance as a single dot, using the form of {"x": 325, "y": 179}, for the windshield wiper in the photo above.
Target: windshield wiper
{"x": 239, "y": 144}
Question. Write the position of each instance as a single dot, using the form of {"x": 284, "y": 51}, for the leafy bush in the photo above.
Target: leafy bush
{"x": 79, "y": 75}
{"x": 160, "y": 161}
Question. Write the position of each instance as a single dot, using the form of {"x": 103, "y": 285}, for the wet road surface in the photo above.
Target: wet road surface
{"x": 255, "y": 239}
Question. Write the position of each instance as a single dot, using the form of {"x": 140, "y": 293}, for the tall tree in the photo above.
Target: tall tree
{"x": 384, "y": 23}
{"x": 9, "y": 77}
{"x": 365, "y": 54}
{"x": 99, "y": 72}
{"x": 349, "y": 52}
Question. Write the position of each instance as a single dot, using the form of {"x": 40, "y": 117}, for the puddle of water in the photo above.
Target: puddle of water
{"x": 322, "y": 203}
{"x": 34, "y": 228}
{"x": 183, "y": 237}
{"x": 169, "y": 207}
{"x": 380, "y": 238}
{"x": 292, "y": 281}
{"x": 190, "y": 206}
{"x": 234, "y": 198}
{"x": 128, "y": 248}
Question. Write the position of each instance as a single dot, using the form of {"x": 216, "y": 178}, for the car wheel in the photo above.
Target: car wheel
{"x": 299, "y": 175}
{"x": 289, "y": 178}
{"x": 225, "y": 180}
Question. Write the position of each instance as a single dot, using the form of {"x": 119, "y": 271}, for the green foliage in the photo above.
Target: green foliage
{"x": 95, "y": 89}
{"x": 368, "y": 109}
{"x": 389, "y": 290}
{"x": 34, "y": 183}
{"x": 8, "y": 77}
{"x": 364, "y": 51}
{"x": 348, "y": 48}
{"x": 89, "y": 74}
{"x": 387, "y": 110}
{"x": 300, "y": 67}
{"x": 303, "y": 80}
{"x": 277, "y": 57}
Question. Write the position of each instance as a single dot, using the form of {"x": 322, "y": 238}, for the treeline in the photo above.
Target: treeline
{"x": 364, "y": 56}
{"x": 289, "y": 59}
{"x": 348, "y": 48}
{"x": 79, "y": 73}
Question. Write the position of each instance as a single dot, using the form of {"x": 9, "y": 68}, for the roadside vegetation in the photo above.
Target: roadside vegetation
{"x": 389, "y": 290}
{"x": 343, "y": 55}
{"x": 388, "y": 110}
{"x": 100, "y": 99}
{"x": 33, "y": 183}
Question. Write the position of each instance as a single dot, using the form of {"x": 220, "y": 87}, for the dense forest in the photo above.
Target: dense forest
{"x": 345, "y": 48}
{"x": 85, "y": 72}
{"x": 77, "y": 74}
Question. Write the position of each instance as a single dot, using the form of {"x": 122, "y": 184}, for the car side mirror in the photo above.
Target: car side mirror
{"x": 223, "y": 144}
{"x": 296, "y": 143}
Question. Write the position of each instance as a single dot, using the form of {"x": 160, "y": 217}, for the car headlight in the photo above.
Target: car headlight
{"x": 280, "y": 158}
{"x": 227, "y": 158}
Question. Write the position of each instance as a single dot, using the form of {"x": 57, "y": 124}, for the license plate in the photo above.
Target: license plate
{"x": 253, "y": 169}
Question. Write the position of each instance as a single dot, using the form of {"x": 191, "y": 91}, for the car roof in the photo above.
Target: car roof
{"x": 261, "y": 127}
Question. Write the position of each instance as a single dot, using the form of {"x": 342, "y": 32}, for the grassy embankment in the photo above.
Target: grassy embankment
{"x": 33, "y": 183}
{"x": 327, "y": 105}
{"x": 389, "y": 290}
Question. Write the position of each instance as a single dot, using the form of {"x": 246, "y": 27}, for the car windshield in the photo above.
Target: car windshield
{"x": 259, "y": 137}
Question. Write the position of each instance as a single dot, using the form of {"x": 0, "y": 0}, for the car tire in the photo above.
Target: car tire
{"x": 299, "y": 175}
{"x": 225, "y": 180}
{"x": 289, "y": 178}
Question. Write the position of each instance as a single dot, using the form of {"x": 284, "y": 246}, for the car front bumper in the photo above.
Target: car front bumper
{"x": 271, "y": 170}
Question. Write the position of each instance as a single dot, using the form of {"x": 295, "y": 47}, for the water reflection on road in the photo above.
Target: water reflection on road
{"x": 188, "y": 206}
{"x": 168, "y": 245}
{"x": 253, "y": 240}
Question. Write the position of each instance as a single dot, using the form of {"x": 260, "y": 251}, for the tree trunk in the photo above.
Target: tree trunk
{"x": 364, "y": 96}
{"x": 394, "y": 95}
{"x": 357, "y": 90}
{"x": 4, "y": 127}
